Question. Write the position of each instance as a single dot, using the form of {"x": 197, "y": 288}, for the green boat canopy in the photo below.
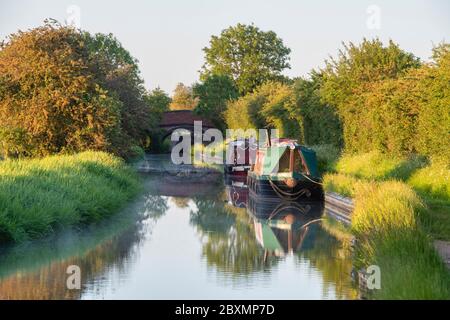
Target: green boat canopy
{"x": 273, "y": 155}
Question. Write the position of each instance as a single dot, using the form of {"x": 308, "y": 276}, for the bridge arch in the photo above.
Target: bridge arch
{"x": 182, "y": 119}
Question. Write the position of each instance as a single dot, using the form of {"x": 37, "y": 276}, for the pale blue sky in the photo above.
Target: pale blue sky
{"x": 167, "y": 36}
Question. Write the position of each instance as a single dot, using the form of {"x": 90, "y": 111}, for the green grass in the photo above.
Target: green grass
{"x": 385, "y": 221}
{"x": 377, "y": 166}
{"x": 38, "y": 196}
{"x": 401, "y": 205}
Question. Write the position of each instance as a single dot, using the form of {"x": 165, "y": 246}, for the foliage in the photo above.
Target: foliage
{"x": 40, "y": 195}
{"x": 327, "y": 156}
{"x": 213, "y": 94}
{"x": 269, "y": 106}
{"x": 247, "y": 55}
{"x": 158, "y": 101}
{"x": 349, "y": 80}
{"x": 277, "y": 110}
{"x": 183, "y": 98}
{"x": 63, "y": 90}
{"x": 321, "y": 123}
{"x": 120, "y": 75}
{"x": 433, "y": 125}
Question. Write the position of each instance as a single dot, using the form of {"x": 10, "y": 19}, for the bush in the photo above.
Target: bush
{"x": 64, "y": 90}
{"x": 321, "y": 123}
{"x": 327, "y": 156}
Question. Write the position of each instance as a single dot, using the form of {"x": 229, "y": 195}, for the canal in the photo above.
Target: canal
{"x": 187, "y": 237}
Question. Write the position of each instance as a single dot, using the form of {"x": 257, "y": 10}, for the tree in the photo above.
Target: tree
{"x": 321, "y": 124}
{"x": 158, "y": 102}
{"x": 247, "y": 55}
{"x": 346, "y": 81}
{"x": 183, "y": 98}
{"x": 121, "y": 77}
{"x": 213, "y": 95}
{"x": 271, "y": 106}
{"x": 64, "y": 90}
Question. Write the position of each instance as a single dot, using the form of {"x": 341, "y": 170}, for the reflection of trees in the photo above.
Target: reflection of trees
{"x": 228, "y": 238}
{"x": 155, "y": 206}
{"x": 330, "y": 257}
{"x": 38, "y": 271}
{"x": 211, "y": 216}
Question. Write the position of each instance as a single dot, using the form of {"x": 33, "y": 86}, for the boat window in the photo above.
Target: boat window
{"x": 284, "y": 162}
{"x": 298, "y": 163}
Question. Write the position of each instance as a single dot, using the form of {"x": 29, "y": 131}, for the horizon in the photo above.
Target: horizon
{"x": 178, "y": 31}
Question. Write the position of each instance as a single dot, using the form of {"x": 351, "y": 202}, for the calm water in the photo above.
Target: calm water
{"x": 187, "y": 239}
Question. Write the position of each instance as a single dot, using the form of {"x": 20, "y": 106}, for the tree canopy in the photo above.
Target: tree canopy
{"x": 213, "y": 95}
{"x": 183, "y": 98}
{"x": 63, "y": 90}
{"x": 246, "y": 54}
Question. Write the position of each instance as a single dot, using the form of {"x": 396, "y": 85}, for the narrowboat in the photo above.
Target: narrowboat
{"x": 285, "y": 170}
{"x": 238, "y": 156}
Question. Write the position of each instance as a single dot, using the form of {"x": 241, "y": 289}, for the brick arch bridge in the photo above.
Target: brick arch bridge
{"x": 182, "y": 119}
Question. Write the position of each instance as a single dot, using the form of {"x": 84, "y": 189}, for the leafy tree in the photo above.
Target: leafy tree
{"x": 158, "y": 102}
{"x": 320, "y": 121}
{"x": 213, "y": 95}
{"x": 278, "y": 110}
{"x": 347, "y": 79}
{"x": 51, "y": 100}
{"x": 247, "y": 55}
{"x": 183, "y": 98}
{"x": 121, "y": 77}
{"x": 271, "y": 105}
{"x": 64, "y": 90}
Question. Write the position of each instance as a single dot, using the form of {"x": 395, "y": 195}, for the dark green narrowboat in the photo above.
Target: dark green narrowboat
{"x": 285, "y": 170}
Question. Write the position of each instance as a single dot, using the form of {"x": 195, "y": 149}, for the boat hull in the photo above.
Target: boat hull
{"x": 269, "y": 190}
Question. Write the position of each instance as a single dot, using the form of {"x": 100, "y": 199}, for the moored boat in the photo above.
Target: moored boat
{"x": 238, "y": 157}
{"x": 285, "y": 170}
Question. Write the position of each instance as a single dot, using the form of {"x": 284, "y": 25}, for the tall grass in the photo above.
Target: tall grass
{"x": 433, "y": 181}
{"x": 399, "y": 203}
{"x": 385, "y": 222}
{"x": 38, "y": 196}
{"x": 377, "y": 166}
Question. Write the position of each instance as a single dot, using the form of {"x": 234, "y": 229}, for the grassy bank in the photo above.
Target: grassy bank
{"x": 401, "y": 205}
{"x": 38, "y": 196}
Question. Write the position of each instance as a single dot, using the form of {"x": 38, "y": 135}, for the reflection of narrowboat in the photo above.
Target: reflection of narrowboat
{"x": 285, "y": 170}
{"x": 285, "y": 228}
{"x": 238, "y": 157}
{"x": 237, "y": 190}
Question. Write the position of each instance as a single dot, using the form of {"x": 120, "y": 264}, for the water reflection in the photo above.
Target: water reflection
{"x": 193, "y": 237}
